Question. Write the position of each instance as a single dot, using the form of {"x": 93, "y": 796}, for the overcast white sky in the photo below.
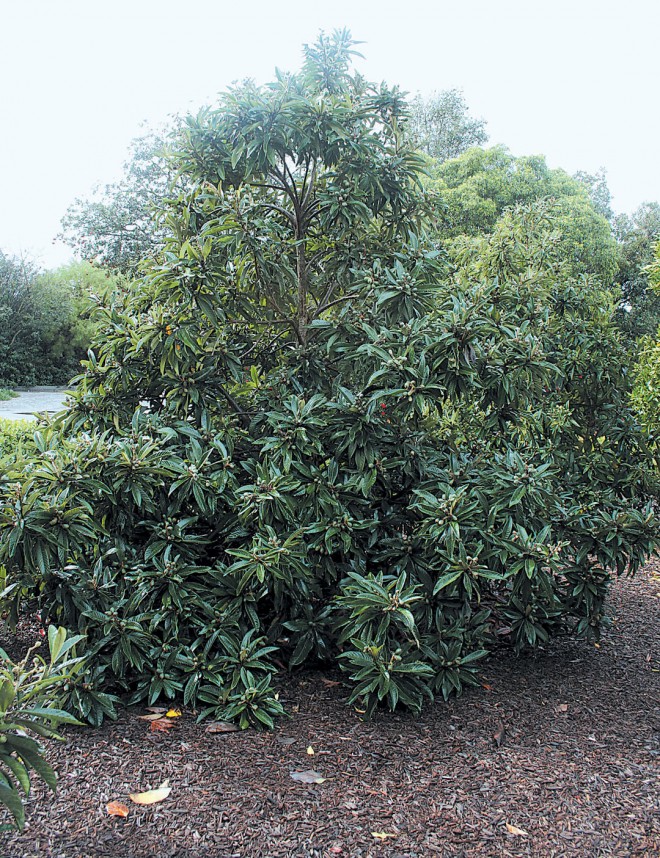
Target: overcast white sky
{"x": 576, "y": 80}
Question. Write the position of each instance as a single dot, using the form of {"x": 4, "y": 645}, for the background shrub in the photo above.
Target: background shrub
{"x": 16, "y": 437}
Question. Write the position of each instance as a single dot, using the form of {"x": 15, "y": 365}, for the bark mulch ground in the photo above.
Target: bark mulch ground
{"x": 576, "y": 770}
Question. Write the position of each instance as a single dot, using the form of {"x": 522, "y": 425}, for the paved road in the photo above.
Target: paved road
{"x": 38, "y": 399}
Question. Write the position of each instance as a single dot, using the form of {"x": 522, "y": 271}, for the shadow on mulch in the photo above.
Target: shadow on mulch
{"x": 576, "y": 772}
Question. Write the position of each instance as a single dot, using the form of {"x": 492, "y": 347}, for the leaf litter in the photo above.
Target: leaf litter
{"x": 447, "y": 791}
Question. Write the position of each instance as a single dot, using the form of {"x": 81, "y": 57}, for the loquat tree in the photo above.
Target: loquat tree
{"x": 298, "y": 437}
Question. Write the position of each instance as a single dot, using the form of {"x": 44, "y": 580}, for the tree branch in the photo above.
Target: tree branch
{"x": 307, "y": 191}
{"x": 327, "y": 306}
{"x": 244, "y": 418}
{"x": 293, "y": 182}
{"x": 271, "y": 342}
{"x": 291, "y": 194}
{"x": 289, "y": 215}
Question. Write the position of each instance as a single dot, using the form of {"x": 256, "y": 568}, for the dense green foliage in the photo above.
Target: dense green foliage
{"x": 122, "y": 223}
{"x": 646, "y": 392}
{"x": 637, "y": 236}
{"x": 481, "y": 184}
{"x": 306, "y": 434}
{"x": 30, "y": 691}
{"x": 44, "y": 325}
{"x": 15, "y": 437}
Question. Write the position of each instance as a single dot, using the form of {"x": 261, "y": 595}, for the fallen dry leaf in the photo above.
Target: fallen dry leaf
{"x": 151, "y": 796}
{"x": 155, "y": 716}
{"x": 500, "y": 734}
{"x": 310, "y": 751}
{"x": 173, "y": 713}
{"x": 222, "y": 727}
{"x": 308, "y": 777}
{"x": 330, "y": 683}
{"x": 504, "y": 630}
{"x": 116, "y": 808}
{"x": 161, "y": 724}
{"x": 285, "y": 741}
{"x": 513, "y": 829}
{"x": 158, "y": 710}
{"x": 563, "y": 707}
{"x": 383, "y": 835}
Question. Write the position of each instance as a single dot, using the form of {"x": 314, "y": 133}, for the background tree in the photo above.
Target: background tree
{"x": 64, "y": 298}
{"x": 599, "y": 192}
{"x": 481, "y": 184}
{"x": 637, "y": 236}
{"x": 120, "y": 225}
{"x": 16, "y": 278}
{"x": 21, "y": 347}
{"x": 646, "y": 393}
{"x": 441, "y": 126}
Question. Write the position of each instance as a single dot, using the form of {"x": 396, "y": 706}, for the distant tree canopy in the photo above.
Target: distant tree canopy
{"x": 646, "y": 392}
{"x": 599, "y": 191}
{"x": 119, "y": 225}
{"x": 44, "y": 324}
{"x": 637, "y": 235}
{"x": 441, "y": 126}
{"x": 481, "y": 184}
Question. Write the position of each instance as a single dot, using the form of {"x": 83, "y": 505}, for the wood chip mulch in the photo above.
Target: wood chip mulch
{"x": 557, "y": 754}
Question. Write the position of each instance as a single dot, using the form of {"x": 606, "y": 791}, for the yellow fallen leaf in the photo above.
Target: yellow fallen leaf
{"x": 383, "y": 835}
{"x": 513, "y": 829}
{"x": 310, "y": 751}
{"x": 173, "y": 713}
{"x": 151, "y": 796}
{"x": 116, "y": 808}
